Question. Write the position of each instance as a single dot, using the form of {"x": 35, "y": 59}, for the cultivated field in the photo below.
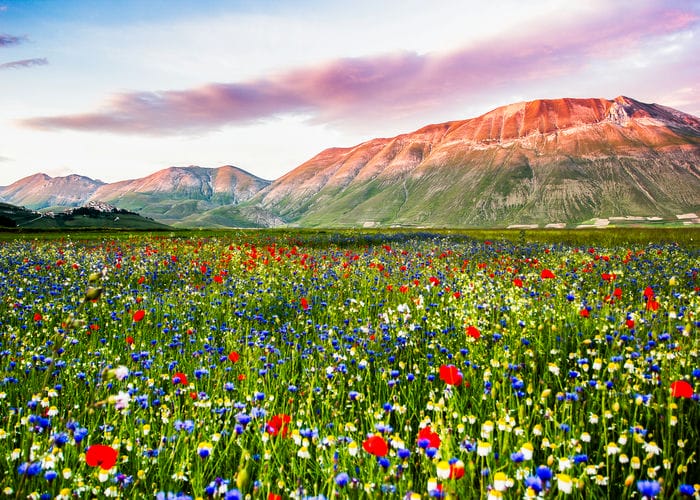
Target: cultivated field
{"x": 284, "y": 364}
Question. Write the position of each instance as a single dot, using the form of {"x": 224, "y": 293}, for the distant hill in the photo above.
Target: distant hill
{"x": 90, "y": 216}
{"x": 169, "y": 196}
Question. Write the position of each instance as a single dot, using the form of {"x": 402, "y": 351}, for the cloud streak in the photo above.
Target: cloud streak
{"x": 360, "y": 89}
{"x": 25, "y": 63}
{"x": 11, "y": 40}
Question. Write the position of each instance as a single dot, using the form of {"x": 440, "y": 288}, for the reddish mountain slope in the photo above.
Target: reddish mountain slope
{"x": 563, "y": 160}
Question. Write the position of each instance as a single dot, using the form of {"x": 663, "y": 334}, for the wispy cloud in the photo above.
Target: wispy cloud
{"x": 25, "y": 63}
{"x": 10, "y": 40}
{"x": 393, "y": 84}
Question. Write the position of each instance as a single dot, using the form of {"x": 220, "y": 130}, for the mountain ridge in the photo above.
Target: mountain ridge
{"x": 545, "y": 161}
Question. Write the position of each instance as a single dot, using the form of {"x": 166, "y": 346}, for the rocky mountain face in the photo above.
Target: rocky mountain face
{"x": 170, "y": 195}
{"x": 544, "y": 161}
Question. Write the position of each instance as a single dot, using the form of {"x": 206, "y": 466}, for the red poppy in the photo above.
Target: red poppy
{"x": 617, "y": 293}
{"x": 518, "y": 282}
{"x": 434, "y": 281}
{"x": 233, "y": 356}
{"x": 652, "y": 305}
{"x": 130, "y": 340}
{"x": 274, "y": 496}
{"x": 451, "y": 375}
{"x": 278, "y": 425}
{"x": 546, "y": 274}
{"x": 38, "y": 317}
{"x": 681, "y": 389}
{"x": 218, "y": 279}
{"x": 473, "y": 332}
{"x": 457, "y": 470}
{"x": 431, "y": 436}
{"x": 376, "y": 445}
{"x": 139, "y": 315}
{"x": 649, "y": 292}
{"x": 629, "y": 323}
{"x": 304, "y": 303}
{"x": 193, "y": 396}
{"x": 101, "y": 455}
{"x": 608, "y": 276}
{"x": 584, "y": 313}
{"x": 180, "y": 378}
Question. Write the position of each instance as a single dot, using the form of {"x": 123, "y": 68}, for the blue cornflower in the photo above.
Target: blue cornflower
{"x": 649, "y": 489}
{"x": 544, "y": 473}
{"x": 533, "y": 482}
{"x": 342, "y": 479}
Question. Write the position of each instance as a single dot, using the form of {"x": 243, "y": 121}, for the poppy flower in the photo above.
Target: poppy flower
{"x": 218, "y": 279}
{"x": 375, "y": 445}
{"x": 139, "y": 315}
{"x": 274, "y": 496}
{"x": 518, "y": 282}
{"x": 432, "y": 438}
{"x": 473, "y": 332}
{"x": 450, "y": 374}
{"x": 304, "y": 303}
{"x": 38, "y": 317}
{"x": 101, "y": 455}
{"x": 233, "y": 356}
{"x": 180, "y": 378}
{"x": 456, "y": 469}
{"x": 278, "y": 425}
{"x": 546, "y": 274}
{"x": 649, "y": 292}
{"x": 681, "y": 389}
{"x": 130, "y": 340}
{"x": 652, "y": 305}
{"x": 584, "y": 313}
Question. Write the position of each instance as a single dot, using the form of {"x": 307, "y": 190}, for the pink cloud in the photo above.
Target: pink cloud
{"x": 25, "y": 63}
{"x": 364, "y": 88}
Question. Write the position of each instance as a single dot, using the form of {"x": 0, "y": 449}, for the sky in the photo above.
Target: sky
{"x": 117, "y": 90}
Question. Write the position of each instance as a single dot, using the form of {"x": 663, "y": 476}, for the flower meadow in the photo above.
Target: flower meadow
{"x": 273, "y": 366}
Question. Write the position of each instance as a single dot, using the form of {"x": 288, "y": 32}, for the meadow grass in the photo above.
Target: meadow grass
{"x": 312, "y": 364}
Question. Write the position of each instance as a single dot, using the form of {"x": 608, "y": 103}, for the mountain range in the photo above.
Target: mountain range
{"x": 543, "y": 162}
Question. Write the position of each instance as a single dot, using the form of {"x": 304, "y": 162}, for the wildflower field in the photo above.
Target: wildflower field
{"x": 280, "y": 365}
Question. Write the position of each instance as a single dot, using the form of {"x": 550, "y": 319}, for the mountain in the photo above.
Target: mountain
{"x": 41, "y": 191}
{"x": 545, "y": 162}
{"x": 169, "y": 196}
{"x": 538, "y": 162}
{"x": 174, "y": 194}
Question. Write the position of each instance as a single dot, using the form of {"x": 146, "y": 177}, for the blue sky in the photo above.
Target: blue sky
{"x": 119, "y": 89}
